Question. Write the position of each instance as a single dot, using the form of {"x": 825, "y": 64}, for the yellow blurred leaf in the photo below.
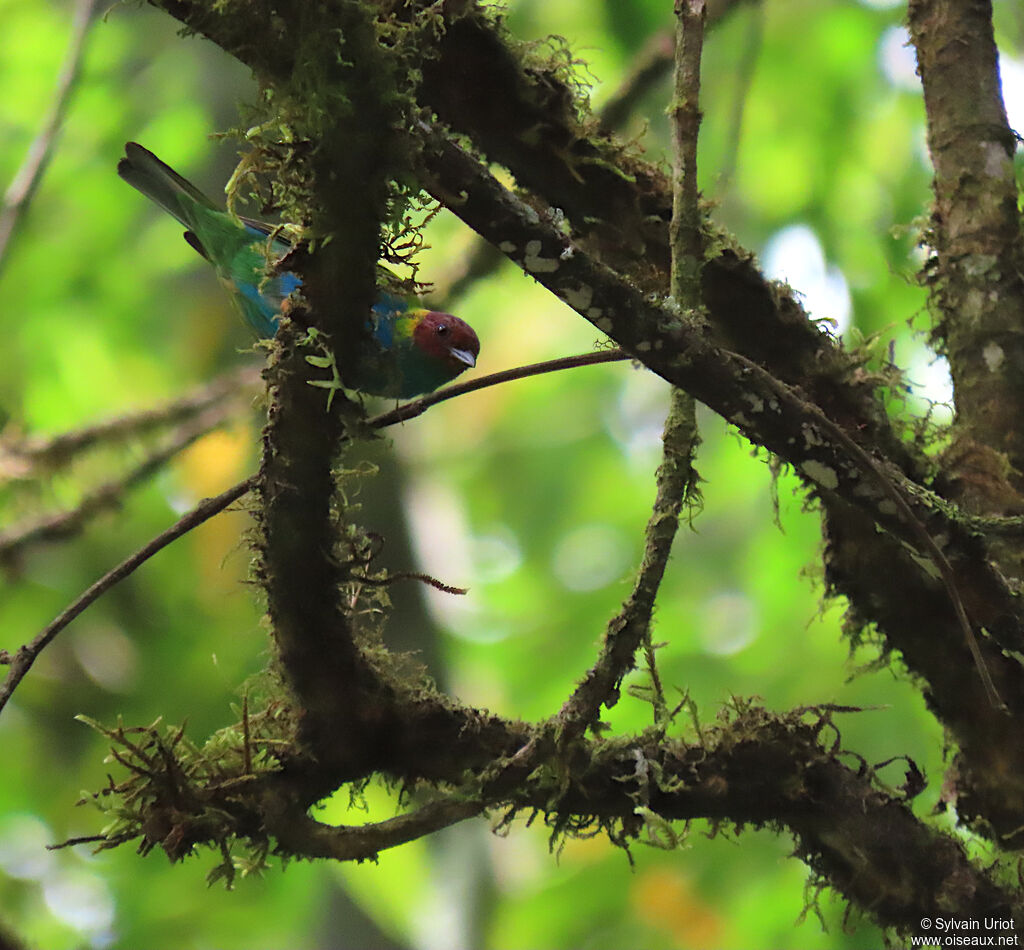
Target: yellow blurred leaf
{"x": 665, "y": 898}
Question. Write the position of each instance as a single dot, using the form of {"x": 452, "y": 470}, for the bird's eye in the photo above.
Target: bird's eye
{"x": 442, "y": 329}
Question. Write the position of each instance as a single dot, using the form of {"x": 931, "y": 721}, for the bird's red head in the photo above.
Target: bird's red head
{"x": 447, "y": 338}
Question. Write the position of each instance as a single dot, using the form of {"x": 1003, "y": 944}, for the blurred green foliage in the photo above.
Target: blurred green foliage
{"x": 534, "y": 495}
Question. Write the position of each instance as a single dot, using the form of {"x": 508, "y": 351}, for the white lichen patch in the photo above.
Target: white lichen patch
{"x": 888, "y": 507}
{"x": 643, "y": 346}
{"x": 578, "y": 297}
{"x": 567, "y": 253}
{"x": 974, "y": 303}
{"x": 604, "y": 324}
{"x": 536, "y": 264}
{"x": 993, "y": 355}
{"x": 756, "y": 403}
{"x": 864, "y": 489}
{"x": 810, "y": 434}
{"x": 820, "y": 473}
{"x": 977, "y": 265}
{"x": 997, "y": 162}
{"x": 507, "y": 247}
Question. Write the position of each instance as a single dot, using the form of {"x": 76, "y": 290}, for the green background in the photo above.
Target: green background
{"x": 533, "y": 495}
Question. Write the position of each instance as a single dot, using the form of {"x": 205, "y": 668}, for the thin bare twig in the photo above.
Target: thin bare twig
{"x": 685, "y": 237}
{"x": 22, "y": 661}
{"x": 417, "y": 407}
{"x": 20, "y": 192}
{"x": 298, "y": 834}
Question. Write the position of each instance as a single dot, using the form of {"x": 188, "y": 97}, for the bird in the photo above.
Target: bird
{"x": 410, "y": 350}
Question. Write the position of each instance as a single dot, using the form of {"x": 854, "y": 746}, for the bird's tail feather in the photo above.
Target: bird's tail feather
{"x": 162, "y": 184}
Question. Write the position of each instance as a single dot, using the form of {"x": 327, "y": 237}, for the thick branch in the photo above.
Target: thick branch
{"x": 314, "y": 637}
{"x": 977, "y": 279}
{"x": 341, "y": 101}
{"x": 755, "y": 769}
{"x": 864, "y": 841}
{"x": 884, "y": 583}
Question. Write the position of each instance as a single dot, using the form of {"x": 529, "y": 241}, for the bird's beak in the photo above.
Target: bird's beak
{"x": 464, "y": 356}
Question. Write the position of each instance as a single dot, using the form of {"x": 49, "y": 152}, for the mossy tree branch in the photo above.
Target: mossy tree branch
{"x": 334, "y": 90}
{"x": 751, "y": 768}
{"x": 977, "y": 274}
